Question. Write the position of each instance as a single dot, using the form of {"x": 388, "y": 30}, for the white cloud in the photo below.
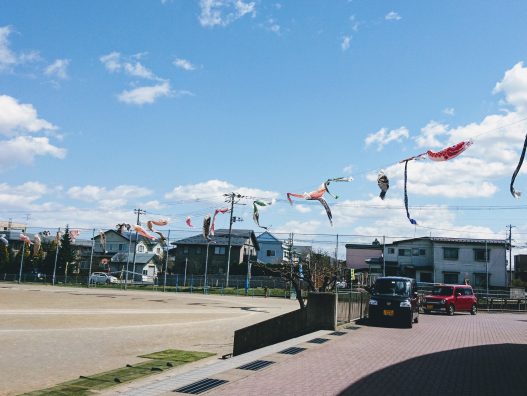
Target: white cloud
{"x": 59, "y": 69}
{"x": 273, "y": 26}
{"x": 213, "y": 190}
{"x": 348, "y": 170}
{"x": 514, "y": 86}
{"x": 392, "y": 16}
{"x": 346, "y": 42}
{"x": 183, "y": 64}
{"x": 138, "y": 70}
{"x": 7, "y": 57}
{"x": 148, "y": 94}
{"x": 449, "y": 111}
{"x": 223, "y": 12}
{"x": 24, "y": 149}
{"x": 114, "y": 63}
{"x": 17, "y": 118}
{"x": 429, "y": 133}
{"x": 383, "y": 137}
{"x": 302, "y": 208}
{"x": 355, "y": 24}
{"x": 298, "y": 227}
{"x": 108, "y": 198}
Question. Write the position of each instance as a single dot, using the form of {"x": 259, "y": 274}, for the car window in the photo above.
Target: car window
{"x": 442, "y": 291}
{"x": 467, "y": 291}
{"x": 392, "y": 286}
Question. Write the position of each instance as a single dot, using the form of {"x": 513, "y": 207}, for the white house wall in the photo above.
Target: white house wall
{"x": 467, "y": 266}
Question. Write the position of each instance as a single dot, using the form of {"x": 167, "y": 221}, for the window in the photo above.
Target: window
{"x": 391, "y": 250}
{"x": 122, "y": 247}
{"x": 219, "y": 249}
{"x": 145, "y": 272}
{"x": 185, "y": 250}
{"x": 425, "y": 277}
{"x": 158, "y": 250}
{"x": 405, "y": 252}
{"x": 479, "y": 280}
{"x": 450, "y": 253}
{"x": 481, "y": 254}
{"x": 415, "y": 252}
{"x": 450, "y": 278}
{"x": 140, "y": 248}
{"x": 422, "y": 252}
{"x": 271, "y": 253}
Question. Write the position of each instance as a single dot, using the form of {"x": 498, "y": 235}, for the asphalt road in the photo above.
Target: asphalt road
{"x": 54, "y": 334}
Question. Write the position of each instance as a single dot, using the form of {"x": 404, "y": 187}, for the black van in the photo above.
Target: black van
{"x": 394, "y": 298}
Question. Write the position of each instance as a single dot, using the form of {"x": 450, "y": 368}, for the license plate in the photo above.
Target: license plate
{"x": 429, "y": 306}
{"x": 388, "y": 312}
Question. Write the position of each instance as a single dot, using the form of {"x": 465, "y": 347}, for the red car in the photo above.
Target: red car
{"x": 451, "y": 298}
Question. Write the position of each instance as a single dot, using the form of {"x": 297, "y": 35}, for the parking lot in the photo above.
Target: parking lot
{"x": 54, "y": 334}
{"x": 485, "y": 354}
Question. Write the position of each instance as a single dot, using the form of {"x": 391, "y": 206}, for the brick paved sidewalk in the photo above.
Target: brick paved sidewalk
{"x": 484, "y": 354}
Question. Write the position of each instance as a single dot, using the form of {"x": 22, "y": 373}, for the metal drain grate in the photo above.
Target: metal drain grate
{"x": 353, "y": 327}
{"x": 256, "y": 365}
{"x": 292, "y": 351}
{"x": 338, "y": 333}
{"x": 318, "y": 340}
{"x": 201, "y": 386}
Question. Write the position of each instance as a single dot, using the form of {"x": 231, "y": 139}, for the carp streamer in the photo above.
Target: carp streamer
{"x": 383, "y": 183}
{"x": 316, "y": 195}
{"x": 222, "y": 211}
{"x": 517, "y": 194}
{"x": 256, "y": 213}
{"x": 150, "y": 224}
{"x": 206, "y": 227}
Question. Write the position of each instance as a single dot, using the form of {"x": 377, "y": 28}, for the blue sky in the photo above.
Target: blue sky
{"x": 106, "y": 106}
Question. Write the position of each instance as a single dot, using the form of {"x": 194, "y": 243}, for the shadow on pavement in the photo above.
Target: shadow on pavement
{"x": 497, "y": 369}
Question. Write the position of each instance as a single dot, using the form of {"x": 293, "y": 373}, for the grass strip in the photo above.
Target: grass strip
{"x": 158, "y": 362}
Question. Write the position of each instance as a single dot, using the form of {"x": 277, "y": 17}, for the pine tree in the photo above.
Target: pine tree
{"x": 66, "y": 254}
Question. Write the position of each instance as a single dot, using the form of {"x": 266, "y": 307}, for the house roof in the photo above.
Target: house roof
{"x": 140, "y": 258}
{"x": 361, "y": 246}
{"x": 455, "y": 240}
{"x": 130, "y": 236}
{"x": 267, "y": 237}
{"x": 221, "y": 238}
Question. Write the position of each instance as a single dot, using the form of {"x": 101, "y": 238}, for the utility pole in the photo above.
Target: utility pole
{"x": 138, "y": 212}
{"x": 231, "y": 198}
{"x": 510, "y": 254}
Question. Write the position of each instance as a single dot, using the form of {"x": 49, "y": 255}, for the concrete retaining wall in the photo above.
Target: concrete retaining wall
{"x": 319, "y": 314}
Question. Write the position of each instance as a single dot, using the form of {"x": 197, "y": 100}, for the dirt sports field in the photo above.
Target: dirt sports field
{"x": 54, "y": 334}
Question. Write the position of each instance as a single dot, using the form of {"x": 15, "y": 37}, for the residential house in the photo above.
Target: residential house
{"x": 113, "y": 252}
{"x": 451, "y": 260}
{"x": 365, "y": 257}
{"x": 9, "y": 225}
{"x": 195, "y": 253}
{"x": 271, "y": 249}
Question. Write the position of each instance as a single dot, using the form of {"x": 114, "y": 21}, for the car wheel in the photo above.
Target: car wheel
{"x": 450, "y": 310}
{"x": 107, "y": 281}
{"x": 474, "y": 310}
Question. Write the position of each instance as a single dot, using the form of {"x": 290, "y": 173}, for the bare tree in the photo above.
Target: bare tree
{"x": 315, "y": 272}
